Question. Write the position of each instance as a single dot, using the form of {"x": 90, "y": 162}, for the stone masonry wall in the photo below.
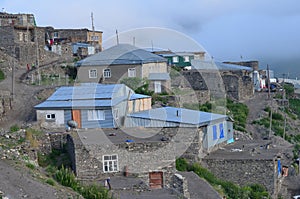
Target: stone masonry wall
{"x": 180, "y": 186}
{"x": 244, "y": 172}
{"x": 5, "y": 103}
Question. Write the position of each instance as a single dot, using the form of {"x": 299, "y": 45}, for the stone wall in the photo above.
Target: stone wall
{"x": 233, "y": 84}
{"x": 180, "y": 186}
{"x": 244, "y": 171}
{"x": 5, "y": 103}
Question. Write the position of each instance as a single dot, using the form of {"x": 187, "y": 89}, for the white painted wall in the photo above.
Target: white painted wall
{"x": 58, "y": 121}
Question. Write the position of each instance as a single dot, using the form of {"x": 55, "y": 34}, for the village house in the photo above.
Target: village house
{"x": 90, "y": 106}
{"x": 213, "y": 79}
{"x": 21, "y": 38}
{"x": 125, "y": 61}
{"x": 84, "y": 42}
{"x": 181, "y": 59}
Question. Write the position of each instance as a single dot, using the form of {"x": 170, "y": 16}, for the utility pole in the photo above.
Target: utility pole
{"x": 117, "y": 37}
{"x": 269, "y": 97}
{"x": 269, "y": 82}
{"x": 284, "y": 100}
{"x": 13, "y": 77}
{"x": 93, "y": 29}
{"x": 37, "y": 56}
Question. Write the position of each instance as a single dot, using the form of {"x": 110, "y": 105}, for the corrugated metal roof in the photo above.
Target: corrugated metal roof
{"x": 178, "y": 115}
{"x": 120, "y": 55}
{"x": 138, "y": 96}
{"x": 86, "y": 95}
{"x": 213, "y": 65}
{"x": 159, "y": 76}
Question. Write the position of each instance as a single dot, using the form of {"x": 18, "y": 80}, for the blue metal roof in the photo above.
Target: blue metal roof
{"x": 120, "y": 55}
{"x": 86, "y": 95}
{"x": 159, "y": 76}
{"x": 214, "y": 65}
{"x": 138, "y": 96}
{"x": 178, "y": 115}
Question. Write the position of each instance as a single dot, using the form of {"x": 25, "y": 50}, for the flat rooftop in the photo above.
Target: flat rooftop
{"x": 118, "y": 136}
{"x": 253, "y": 149}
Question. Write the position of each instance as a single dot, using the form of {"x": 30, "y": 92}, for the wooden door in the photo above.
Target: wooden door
{"x": 156, "y": 180}
{"x": 76, "y": 116}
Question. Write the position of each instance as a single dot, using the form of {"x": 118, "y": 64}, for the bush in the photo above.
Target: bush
{"x": 50, "y": 181}
{"x": 30, "y": 166}
{"x": 233, "y": 191}
{"x": 67, "y": 178}
{"x": 14, "y": 128}
{"x": 277, "y": 116}
{"x": 182, "y": 164}
{"x": 2, "y": 75}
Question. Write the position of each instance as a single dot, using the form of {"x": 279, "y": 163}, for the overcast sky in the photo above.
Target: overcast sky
{"x": 229, "y": 30}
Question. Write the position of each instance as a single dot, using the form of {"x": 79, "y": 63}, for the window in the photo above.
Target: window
{"x": 221, "y": 130}
{"x": 175, "y": 59}
{"x": 50, "y": 116}
{"x": 25, "y": 37}
{"x": 94, "y": 38}
{"x": 131, "y": 72}
{"x": 96, "y": 115}
{"x": 110, "y": 163}
{"x": 55, "y": 34}
{"x": 93, "y": 73}
{"x": 106, "y": 73}
{"x": 215, "y": 134}
{"x": 186, "y": 58}
{"x": 20, "y": 34}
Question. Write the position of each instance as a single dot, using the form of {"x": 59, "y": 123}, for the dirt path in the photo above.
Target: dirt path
{"x": 256, "y": 106}
{"x": 18, "y": 183}
{"x": 24, "y": 99}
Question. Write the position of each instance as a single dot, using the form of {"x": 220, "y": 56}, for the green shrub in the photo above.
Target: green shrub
{"x": 50, "y": 181}
{"x": 182, "y": 164}
{"x": 239, "y": 113}
{"x": 233, "y": 191}
{"x": 66, "y": 178}
{"x": 30, "y": 166}
{"x": 14, "y": 128}
{"x": 2, "y": 75}
{"x": 277, "y": 116}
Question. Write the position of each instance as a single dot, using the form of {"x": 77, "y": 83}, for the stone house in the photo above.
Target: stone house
{"x": 125, "y": 61}
{"x": 219, "y": 79}
{"x": 58, "y": 37}
{"x": 148, "y": 145}
{"x": 90, "y": 106}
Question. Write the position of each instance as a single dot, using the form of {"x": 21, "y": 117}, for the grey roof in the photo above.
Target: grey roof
{"x": 86, "y": 95}
{"x": 120, "y": 55}
{"x": 159, "y": 76}
{"x": 214, "y": 65}
{"x": 186, "y": 116}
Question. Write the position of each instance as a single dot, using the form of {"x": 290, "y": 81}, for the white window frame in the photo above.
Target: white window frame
{"x": 95, "y": 115}
{"x": 50, "y": 116}
{"x": 55, "y": 35}
{"x": 94, "y": 38}
{"x": 93, "y": 73}
{"x": 131, "y": 72}
{"x": 106, "y": 73}
{"x": 110, "y": 163}
{"x": 186, "y": 58}
{"x": 175, "y": 59}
